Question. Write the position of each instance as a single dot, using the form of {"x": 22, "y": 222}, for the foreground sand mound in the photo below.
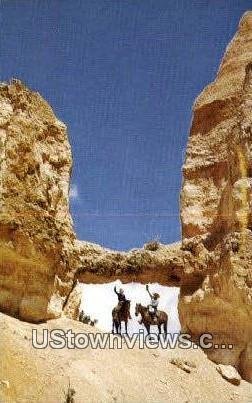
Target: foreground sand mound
{"x": 30, "y": 375}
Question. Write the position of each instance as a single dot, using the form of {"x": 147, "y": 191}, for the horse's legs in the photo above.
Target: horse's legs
{"x": 118, "y": 327}
{"x": 159, "y": 331}
{"x": 113, "y": 324}
{"x": 126, "y": 326}
{"x": 165, "y": 327}
{"x": 147, "y": 326}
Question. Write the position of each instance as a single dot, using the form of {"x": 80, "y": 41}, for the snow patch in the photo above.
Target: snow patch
{"x": 99, "y": 300}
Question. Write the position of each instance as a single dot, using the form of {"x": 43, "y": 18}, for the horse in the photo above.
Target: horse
{"x": 119, "y": 316}
{"x": 148, "y": 320}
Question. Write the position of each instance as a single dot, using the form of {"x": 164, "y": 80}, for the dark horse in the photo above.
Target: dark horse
{"x": 148, "y": 319}
{"x": 119, "y": 316}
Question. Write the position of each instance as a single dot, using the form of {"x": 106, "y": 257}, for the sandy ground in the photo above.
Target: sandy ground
{"x": 31, "y": 375}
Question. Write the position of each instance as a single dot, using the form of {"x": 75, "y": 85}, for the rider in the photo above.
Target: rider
{"x": 154, "y": 301}
{"x": 121, "y": 299}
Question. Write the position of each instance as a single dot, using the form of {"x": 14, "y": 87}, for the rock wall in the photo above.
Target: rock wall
{"x": 154, "y": 262}
{"x": 41, "y": 258}
{"x": 216, "y": 200}
{"x": 36, "y": 235}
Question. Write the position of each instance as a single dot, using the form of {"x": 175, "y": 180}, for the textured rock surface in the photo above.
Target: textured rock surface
{"x": 216, "y": 196}
{"x": 40, "y": 255}
{"x": 35, "y": 226}
{"x": 39, "y": 252}
{"x": 95, "y": 264}
{"x": 229, "y": 373}
{"x": 72, "y": 304}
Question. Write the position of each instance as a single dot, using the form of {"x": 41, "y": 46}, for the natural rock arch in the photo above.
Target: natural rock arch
{"x": 41, "y": 258}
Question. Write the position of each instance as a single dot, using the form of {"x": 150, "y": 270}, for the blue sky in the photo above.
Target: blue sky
{"x": 122, "y": 74}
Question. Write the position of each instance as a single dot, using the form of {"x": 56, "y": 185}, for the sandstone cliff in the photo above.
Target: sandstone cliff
{"x": 154, "y": 262}
{"x": 35, "y": 226}
{"x": 41, "y": 259}
{"x": 40, "y": 256}
{"x": 216, "y": 196}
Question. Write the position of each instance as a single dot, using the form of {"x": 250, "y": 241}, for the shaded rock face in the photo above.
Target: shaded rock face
{"x": 36, "y": 233}
{"x": 216, "y": 201}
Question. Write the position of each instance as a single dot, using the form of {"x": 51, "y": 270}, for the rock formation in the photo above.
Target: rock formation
{"x": 36, "y": 233}
{"x": 40, "y": 255}
{"x": 163, "y": 264}
{"x": 216, "y": 197}
{"x": 41, "y": 258}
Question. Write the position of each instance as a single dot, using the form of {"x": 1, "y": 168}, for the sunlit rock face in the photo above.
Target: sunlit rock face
{"x": 41, "y": 259}
{"x": 216, "y": 196}
{"x": 35, "y": 226}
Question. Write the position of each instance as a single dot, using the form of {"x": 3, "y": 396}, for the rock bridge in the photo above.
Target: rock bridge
{"x": 41, "y": 258}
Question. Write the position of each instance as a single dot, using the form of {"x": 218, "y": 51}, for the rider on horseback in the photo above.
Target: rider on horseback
{"x": 154, "y": 302}
{"x": 121, "y": 299}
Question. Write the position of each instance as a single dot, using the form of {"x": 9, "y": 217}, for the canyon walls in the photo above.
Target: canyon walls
{"x": 36, "y": 235}
{"x": 41, "y": 259}
{"x": 216, "y": 201}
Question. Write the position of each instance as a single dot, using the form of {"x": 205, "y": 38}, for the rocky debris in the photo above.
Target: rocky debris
{"x": 216, "y": 291}
{"x": 229, "y": 373}
{"x": 185, "y": 365}
{"x": 86, "y": 319}
{"x": 5, "y": 383}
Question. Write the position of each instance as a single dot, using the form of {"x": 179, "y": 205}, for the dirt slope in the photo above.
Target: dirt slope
{"x": 104, "y": 375}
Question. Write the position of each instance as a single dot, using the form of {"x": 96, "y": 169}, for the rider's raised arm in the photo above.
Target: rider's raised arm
{"x": 147, "y": 288}
{"x": 115, "y": 290}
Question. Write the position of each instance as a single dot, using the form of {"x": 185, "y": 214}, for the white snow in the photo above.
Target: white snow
{"x": 99, "y": 299}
